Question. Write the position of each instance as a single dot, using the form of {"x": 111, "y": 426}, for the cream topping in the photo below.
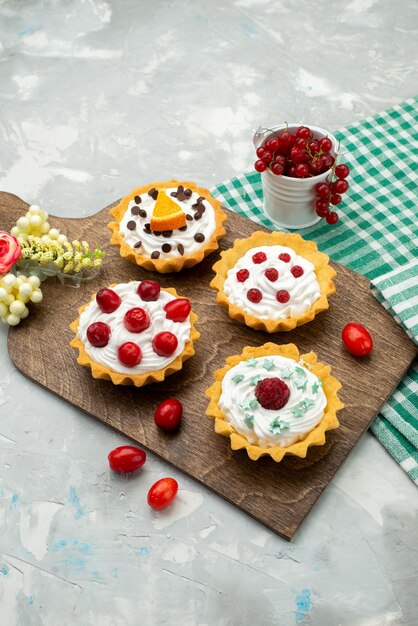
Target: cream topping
{"x": 265, "y": 427}
{"x": 150, "y": 242}
{"x": 303, "y": 290}
{"x": 151, "y": 361}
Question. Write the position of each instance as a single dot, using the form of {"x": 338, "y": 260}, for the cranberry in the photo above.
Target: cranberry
{"x": 297, "y": 271}
{"x": 242, "y": 275}
{"x": 342, "y": 171}
{"x": 136, "y": 320}
{"x": 283, "y": 296}
{"x": 272, "y": 393}
{"x": 168, "y": 414}
{"x": 285, "y": 257}
{"x": 164, "y": 343}
{"x": 107, "y": 300}
{"x": 260, "y": 166}
{"x": 304, "y": 132}
{"x": 259, "y": 257}
{"x": 148, "y": 290}
{"x": 254, "y": 295}
{"x": 332, "y": 217}
{"x": 126, "y": 459}
{"x": 325, "y": 144}
{"x": 178, "y": 310}
{"x": 272, "y": 274}
{"x": 129, "y": 354}
{"x": 340, "y": 186}
{"x": 322, "y": 190}
{"x": 162, "y": 493}
{"x": 98, "y": 334}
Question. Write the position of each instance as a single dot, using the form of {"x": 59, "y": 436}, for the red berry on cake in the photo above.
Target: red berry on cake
{"x": 254, "y": 295}
{"x": 285, "y": 257}
{"x": 325, "y": 144}
{"x": 272, "y": 393}
{"x": 129, "y": 354}
{"x": 136, "y": 320}
{"x": 297, "y": 271}
{"x": 282, "y": 296}
{"x": 164, "y": 343}
{"x": 98, "y": 334}
{"x": 178, "y": 310}
{"x": 149, "y": 290}
{"x": 271, "y": 274}
{"x": 242, "y": 275}
{"x": 259, "y": 257}
{"x": 107, "y": 300}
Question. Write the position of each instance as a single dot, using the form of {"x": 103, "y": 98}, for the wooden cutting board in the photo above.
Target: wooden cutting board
{"x": 278, "y": 495}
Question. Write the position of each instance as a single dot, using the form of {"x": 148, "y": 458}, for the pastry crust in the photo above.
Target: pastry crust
{"x": 100, "y": 371}
{"x": 316, "y": 437}
{"x": 307, "y": 249}
{"x": 166, "y": 265}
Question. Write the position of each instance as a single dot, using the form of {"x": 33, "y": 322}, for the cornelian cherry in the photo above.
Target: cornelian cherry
{"x": 98, "y": 334}
{"x": 162, "y": 493}
{"x": 107, "y": 300}
{"x": 178, "y": 310}
{"x": 126, "y": 459}
{"x": 164, "y": 343}
{"x": 168, "y": 414}
{"x": 129, "y": 354}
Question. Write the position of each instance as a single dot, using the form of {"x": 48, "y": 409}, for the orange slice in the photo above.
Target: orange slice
{"x": 167, "y": 214}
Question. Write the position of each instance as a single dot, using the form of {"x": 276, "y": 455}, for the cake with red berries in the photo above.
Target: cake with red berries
{"x": 135, "y": 333}
{"x": 273, "y": 281}
{"x": 167, "y": 226}
{"x": 271, "y": 401}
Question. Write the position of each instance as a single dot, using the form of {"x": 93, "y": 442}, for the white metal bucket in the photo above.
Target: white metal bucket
{"x": 290, "y": 202}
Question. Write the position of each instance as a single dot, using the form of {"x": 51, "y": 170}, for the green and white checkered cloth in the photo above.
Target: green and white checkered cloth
{"x": 377, "y": 236}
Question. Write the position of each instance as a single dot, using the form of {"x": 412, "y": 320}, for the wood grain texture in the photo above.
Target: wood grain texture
{"x": 278, "y": 495}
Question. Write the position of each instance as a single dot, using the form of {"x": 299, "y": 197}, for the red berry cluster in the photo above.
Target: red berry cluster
{"x": 136, "y": 320}
{"x": 330, "y": 193}
{"x": 298, "y": 155}
{"x": 271, "y": 273}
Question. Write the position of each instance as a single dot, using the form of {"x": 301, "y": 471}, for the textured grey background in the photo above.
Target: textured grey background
{"x": 100, "y": 96}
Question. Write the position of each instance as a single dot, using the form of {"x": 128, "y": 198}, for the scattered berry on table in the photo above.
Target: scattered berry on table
{"x": 126, "y": 459}
{"x": 168, "y": 414}
{"x": 357, "y": 339}
{"x": 162, "y": 493}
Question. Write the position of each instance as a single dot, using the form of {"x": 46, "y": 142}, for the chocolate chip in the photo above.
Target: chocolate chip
{"x": 181, "y": 196}
{"x": 142, "y": 213}
{"x": 180, "y": 188}
{"x": 199, "y": 237}
{"x": 200, "y": 199}
{"x": 137, "y": 200}
{"x": 157, "y": 233}
{"x": 147, "y": 230}
{"x": 153, "y": 193}
{"x": 202, "y": 209}
{"x": 155, "y": 254}
{"x": 147, "y": 226}
{"x": 188, "y": 192}
{"x": 180, "y": 248}
{"x": 198, "y": 215}
{"x": 138, "y": 244}
{"x": 166, "y": 247}
{"x": 131, "y": 225}
{"x": 196, "y": 206}
{"x": 135, "y": 210}
{"x": 183, "y": 228}
{"x": 174, "y": 194}
{"x": 167, "y": 233}
{"x": 189, "y": 217}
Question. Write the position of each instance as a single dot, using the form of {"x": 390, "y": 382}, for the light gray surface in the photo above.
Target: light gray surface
{"x": 97, "y": 97}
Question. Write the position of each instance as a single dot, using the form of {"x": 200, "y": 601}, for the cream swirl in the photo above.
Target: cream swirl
{"x": 265, "y": 427}
{"x": 303, "y": 289}
{"x": 179, "y": 239}
{"x": 151, "y": 361}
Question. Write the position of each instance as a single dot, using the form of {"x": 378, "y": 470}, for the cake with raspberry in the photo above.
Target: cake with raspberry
{"x": 135, "y": 333}
{"x": 273, "y": 281}
{"x": 167, "y": 226}
{"x": 272, "y": 401}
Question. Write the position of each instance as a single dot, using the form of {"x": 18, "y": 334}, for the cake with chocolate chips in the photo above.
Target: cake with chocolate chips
{"x": 167, "y": 226}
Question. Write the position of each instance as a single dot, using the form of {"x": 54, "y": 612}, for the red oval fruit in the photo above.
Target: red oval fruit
{"x": 164, "y": 343}
{"x": 168, "y": 414}
{"x": 357, "y": 339}
{"x": 98, "y": 334}
{"x": 162, "y": 493}
{"x": 342, "y": 170}
{"x": 178, "y": 310}
{"x": 260, "y": 166}
{"x": 325, "y": 144}
{"x": 126, "y": 459}
{"x": 148, "y": 290}
{"x": 340, "y": 186}
{"x": 107, "y": 300}
{"x": 129, "y": 354}
{"x": 259, "y": 257}
{"x": 332, "y": 217}
{"x": 136, "y": 320}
